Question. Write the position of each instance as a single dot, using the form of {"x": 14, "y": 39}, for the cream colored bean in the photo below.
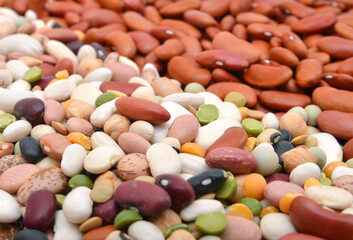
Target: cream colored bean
{"x": 64, "y": 228}
{"x": 103, "y": 158}
{"x": 228, "y": 110}
{"x": 102, "y": 113}
{"x": 60, "y": 90}
{"x": 128, "y": 61}
{"x": 9, "y": 209}
{"x": 78, "y": 205}
{"x": 199, "y": 207}
{"x": 192, "y": 164}
{"x": 86, "y": 92}
{"x": 100, "y": 139}
{"x": 142, "y": 128}
{"x": 17, "y": 68}
{"x": 48, "y": 162}
{"x": 19, "y": 85}
{"x": 100, "y": 74}
{"x": 17, "y": 130}
{"x": 186, "y": 99}
{"x": 73, "y": 159}
{"x": 10, "y": 98}
{"x": 86, "y": 51}
{"x": 40, "y": 130}
{"x": 144, "y": 93}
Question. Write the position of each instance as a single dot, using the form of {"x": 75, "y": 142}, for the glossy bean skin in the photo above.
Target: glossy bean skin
{"x": 31, "y": 150}
{"x": 180, "y": 191}
{"x": 208, "y": 181}
{"x": 148, "y": 198}
{"x": 30, "y": 108}
{"x": 40, "y": 210}
{"x": 106, "y": 211}
{"x": 29, "y": 234}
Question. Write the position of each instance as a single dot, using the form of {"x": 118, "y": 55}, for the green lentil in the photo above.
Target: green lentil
{"x": 194, "y": 88}
{"x": 207, "y": 113}
{"x": 5, "y": 120}
{"x": 228, "y": 188}
{"x": 175, "y": 227}
{"x": 253, "y": 204}
{"x": 32, "y": 75}
{"x": 236, "y": 98}
{"x": 313, "y": 112}
{"x": 103, "y": 98}
{"x": 252, "y": 126}
{"x": 319, "y": 155}
{"x": 60, "y": 200}
{"x": 324, "y": 180}
{"x": 80, "y": 180}
{"x": 211, "y": 223}
{"x": 126, "y": 217}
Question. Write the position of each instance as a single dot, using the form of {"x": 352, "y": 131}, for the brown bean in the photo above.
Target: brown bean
{"x": 339, "y": 124}
{"x": 216, "y": 8}
{"x": 169, "y": 49}
{"x": 227, "y": 41}
{"x": 329, "y": 98}
{"x": 337, "y": 47}
{"x": 283, "y": 56}
{"x": 137, "y": 22}
{"x": 176, "y": 9}
{"x": 182, "y": 26}
{"x": 180, "y": 69}
{"x": 152, "y": 14}
{"x": 247, "y": 18}
{"x": 283, "y": 101}
{"x": 99, "y": 17}
{"x": 344, "y": 30}
{"x": 238, "y": 6}
{"x": 339, "y": 80}
{"x": 199, "y": 19}
{"x": 221, "y": 58}
{"x": 191, "y": 45}
{"x": 333, "y": 225}
{"x": 314, "y": 24}
{"x": 346, "y": 66}
{"x": 221, "y": 75}
{"x": 122, "y": 43}
{"x": 264, "y": 31}
{"x": 295, "y": 44}
{"x": 221, "y": 89}
{"x": 308, "y": 73}
{"x": 267, "y": 76}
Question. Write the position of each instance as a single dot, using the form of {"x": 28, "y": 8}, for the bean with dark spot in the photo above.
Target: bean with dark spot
{"x": 208, "y": 181}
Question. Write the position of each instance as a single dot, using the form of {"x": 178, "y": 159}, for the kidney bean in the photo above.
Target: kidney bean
{"x": 191, "y": 45}
{"x": 199, "y": 19}
{"x": 176, "y": 9}
{"x": 221, "y": 75}
{"x": 31, "y": 109}
{"x": 227, "y": 23}
{"x": 40, "y": 210}
{"x": 184, "y": 27}
{"x": 264, "y": 31}
{"x": 122, "y": 43}
{"x": 152, "y": 14}
{"x": 179, "y": 190}
{"x": 189, "y": 73}
{"x": 215, "y": 8}
{"x": 283, "y": 56}
{"x": 222, "y": 59}
{"x": 339, "y": 80}
{"x": 238, "y": 6}
{"x": 328, "y": 98}
{"x": 295, "y": 44}
{"x": 296, "y": 8}
{"x": 106, "y": 211}
{"x": 337, "y": 47}
{"x": 169, "y": 49}
{"x": 308, "y": 74}
{"x": 283, "y": 101}
{"x": 98, "y": 17}
{"x": 148, "y": 198}
{"x": 314, "y": 24}
{"x": 239, "y": 30}
{"x": 166, "y": 32}
{"x": 145, "y": 42}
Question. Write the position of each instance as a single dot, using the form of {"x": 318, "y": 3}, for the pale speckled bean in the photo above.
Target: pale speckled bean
{"x": 17, "y": 130}
{"x": 73, "y": 159}
{"x": 103, "y": 158}
{"x": 77, "y": 206}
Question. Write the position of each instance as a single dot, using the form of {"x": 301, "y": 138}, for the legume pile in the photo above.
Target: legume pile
{"x": 176, "y": 119}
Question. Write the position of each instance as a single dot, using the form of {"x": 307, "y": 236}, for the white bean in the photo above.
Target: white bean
{"x": 73, "y": 159}
{"x": 77, "y": 205}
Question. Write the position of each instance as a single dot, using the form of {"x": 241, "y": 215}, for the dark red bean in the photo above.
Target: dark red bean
{"x": 31, "y": 109}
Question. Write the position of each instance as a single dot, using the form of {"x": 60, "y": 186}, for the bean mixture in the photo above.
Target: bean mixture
{"x": 176, "y": 119}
